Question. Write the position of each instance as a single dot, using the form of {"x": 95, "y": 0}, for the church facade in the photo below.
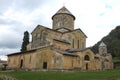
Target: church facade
{"x": 60, "y": 48}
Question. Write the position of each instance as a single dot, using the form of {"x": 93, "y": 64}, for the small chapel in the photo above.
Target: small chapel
{"x": 60, "y": 48}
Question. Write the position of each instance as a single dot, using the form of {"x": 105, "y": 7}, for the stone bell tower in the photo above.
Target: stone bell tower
{"x": 63, "y": 19}
{"x": 102, "y": 48}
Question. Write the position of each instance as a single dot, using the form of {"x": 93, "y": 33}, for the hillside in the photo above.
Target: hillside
{"x": 112, "y": 40}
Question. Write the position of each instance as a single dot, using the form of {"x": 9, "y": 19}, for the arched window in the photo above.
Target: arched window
{"x": 43, "y": 35}
{"x": 73, "y": 43}
{"x": 78, "y": 44}
{"x": 79, "y": 60}
{"x": 30, "y": 59}
{"x": 87, "y": 58}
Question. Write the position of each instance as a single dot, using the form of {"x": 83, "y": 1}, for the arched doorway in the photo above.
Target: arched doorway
{"x": 21, "y": 63}
{"x": 86, "y": 66}
{"x": 87, "y": 61}
{"x": 44, "y": 65}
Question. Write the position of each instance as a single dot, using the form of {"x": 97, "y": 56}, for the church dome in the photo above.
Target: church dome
{"x": 64, "y": 10}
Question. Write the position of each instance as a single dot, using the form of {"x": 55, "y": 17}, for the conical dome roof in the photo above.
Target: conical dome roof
{"x": 102, "y": 44}
{"x": 64, "y": 10}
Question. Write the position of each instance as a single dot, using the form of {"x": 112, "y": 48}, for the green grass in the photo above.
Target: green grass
{"x": 75, "y": 75}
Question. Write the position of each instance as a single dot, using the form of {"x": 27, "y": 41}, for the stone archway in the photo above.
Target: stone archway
{"x": 88, "y": 60}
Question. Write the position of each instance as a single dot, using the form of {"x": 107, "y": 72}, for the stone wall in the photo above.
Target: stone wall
{"x": 42, "y": 36}
{"x": 63, "y": 20}
{"x": 76, "y": 38}
{"x": 22, "y": 61}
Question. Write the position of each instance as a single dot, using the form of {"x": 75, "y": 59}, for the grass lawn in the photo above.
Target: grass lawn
{"x": 75, "y": 75}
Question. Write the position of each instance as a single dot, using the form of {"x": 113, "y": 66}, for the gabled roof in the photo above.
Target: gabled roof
{"x": 64, "y": 52}
{"x": 78, "y": 50}
{"x": 55, "y": 49}
{"x": 18, "y": 53}
{"x": 33, "y": 50}
{"x": 38, "y": 26}
{"x": 76, "y": 30}
{"x": 64, "y": 10}
{"x": 61, "y": 40}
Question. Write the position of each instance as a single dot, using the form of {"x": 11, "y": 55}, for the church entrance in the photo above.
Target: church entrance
{"x": 44, "y": 65}
{"x": 86, "y": 66}
{"x": 21, "y": 63}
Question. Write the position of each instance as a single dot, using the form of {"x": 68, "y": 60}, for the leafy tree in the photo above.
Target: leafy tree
{"x": 112, "y": 40}
{"x": 25, "y": 41}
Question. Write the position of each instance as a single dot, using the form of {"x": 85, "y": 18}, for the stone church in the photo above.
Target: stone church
{"x": 60, "y": 48}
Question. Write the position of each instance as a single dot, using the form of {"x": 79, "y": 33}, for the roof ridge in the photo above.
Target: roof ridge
{"x": 64, "y": 10}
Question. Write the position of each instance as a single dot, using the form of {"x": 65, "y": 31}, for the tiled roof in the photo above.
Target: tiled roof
{"x": 61, "y": 40}
{"x": 78, "y": 50}
{"x": 64, "y": 10}
{"x": 33, "y": 50}
{"x": 64, "y": 52}
{"x": 39, "y": 26}
{"x": 76, "y": 30}
{"x": 17, "y": 53}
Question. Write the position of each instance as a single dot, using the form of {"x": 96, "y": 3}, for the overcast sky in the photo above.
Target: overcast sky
{"x": 96, "y": 18}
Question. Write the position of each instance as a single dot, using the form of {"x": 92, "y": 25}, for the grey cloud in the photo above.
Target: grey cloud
{"x": 102, "y": 14}
{"x": 3, "y": 58}
{"x": 21, "y": 5}
{"x": 27, "y": 5}
{"x": 5, "y": 51}
{"x": 12, "y": 37}
{"x": 10, "y": 40}
{"x": 6, "y": 21}
{"x": 1, "y": 53}
{"x": 4, "y": 5}
{"x": 13, "y": 24}
{"x": 108, "y": 6}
